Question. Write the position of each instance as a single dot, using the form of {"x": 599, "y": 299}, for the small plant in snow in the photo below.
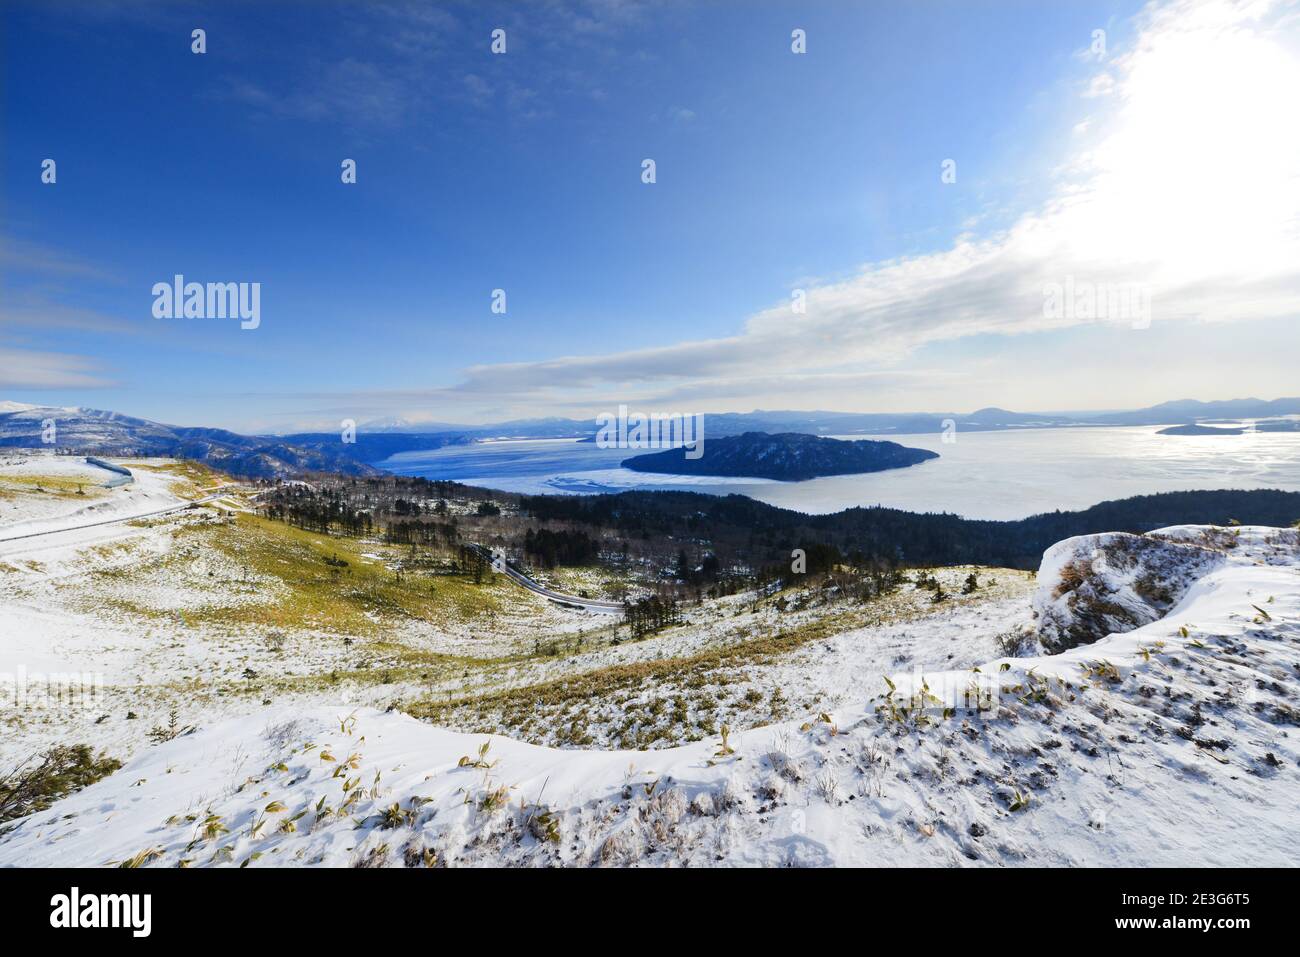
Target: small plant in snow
{"x": 545, "y": 826}
{"x": 212, "y": 827}
{"x": 36, "y": 784}
{"x": 481, "y": 761}
{"x": 494, "y": 799}
{"x": 140, "y": 859}
{"x": 174, "y": 729}
{"x": 828, "y": 786}
{"x": 416, "y": 854}
{"x": 375, "y": 857}
{"x": 290, "y": 824}
{"x": 1010, "y": 643}
{"x": 726, "y": 748}
{"x": 395, "y": 815}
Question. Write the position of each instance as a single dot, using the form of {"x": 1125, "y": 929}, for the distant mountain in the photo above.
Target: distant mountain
{"x": 877, "y": 423}
{"x": 721, "y": 424}
{"x": 268, "y": 456}
{"x": 1191, "y": 410}
{"x": 91, "y": 431}
{"x": 372, "y": 447}
{"x": 550, "y": 428}
{"x": 788, "y": 456}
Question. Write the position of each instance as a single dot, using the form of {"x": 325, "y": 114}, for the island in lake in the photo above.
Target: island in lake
{"x": 1278, "y": 425}
{"x": 1194, "y": 429}
{"x": 787, "y": 456}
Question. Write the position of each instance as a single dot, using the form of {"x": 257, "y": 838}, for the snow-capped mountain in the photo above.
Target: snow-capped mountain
{"x": 79, "y": 430}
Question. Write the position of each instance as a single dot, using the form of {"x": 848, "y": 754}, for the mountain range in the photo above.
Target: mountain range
{"x": 83, "y": 430}
{"x": 1177, "y": 412}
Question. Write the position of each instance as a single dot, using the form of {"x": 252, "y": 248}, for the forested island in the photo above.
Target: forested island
{"x": 1193, "y": 429}
{"x": 786, "y": 456}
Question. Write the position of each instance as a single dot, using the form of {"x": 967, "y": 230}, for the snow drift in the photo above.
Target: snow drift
{"x": 1092, "y": 586}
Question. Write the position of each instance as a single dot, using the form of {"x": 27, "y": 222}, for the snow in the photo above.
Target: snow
{"x": 1096, "y": 585}
{"x": 1172, "y": 743}
{"x": 150, "y": 492}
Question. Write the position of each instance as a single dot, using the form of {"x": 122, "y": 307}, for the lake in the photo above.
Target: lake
{"x": 997, "y": 475}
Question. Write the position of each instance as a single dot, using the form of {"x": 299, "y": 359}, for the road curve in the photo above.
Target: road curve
{"x": 114, "y": 521}
{"x": 519, "y": 578}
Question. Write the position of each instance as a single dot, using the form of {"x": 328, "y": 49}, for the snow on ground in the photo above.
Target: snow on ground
{"x": 1171, "y": 744}
{"x": 71, "y": 493}
{"x": 1113, "y": 583}
{"x": 174, "y": 611}
{"x": 188, "y": 611}
{"x": 731, "y": 663}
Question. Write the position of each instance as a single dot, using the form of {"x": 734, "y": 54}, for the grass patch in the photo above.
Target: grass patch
{"x": 62, "y": 486}
{"x": 193, "y": 477}
{"x": 325, "y": 583}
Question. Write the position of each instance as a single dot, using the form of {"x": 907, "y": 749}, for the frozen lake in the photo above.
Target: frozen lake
{"x": 998, "y": 475}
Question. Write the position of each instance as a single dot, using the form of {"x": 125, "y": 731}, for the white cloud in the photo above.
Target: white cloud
{"x": 24, "y": 369}
{"x": 1186, "y": 184}
{"x": 21, "y": 256}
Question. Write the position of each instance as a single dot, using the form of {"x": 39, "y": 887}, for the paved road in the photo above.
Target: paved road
{"x": 121, "y": 518}
{"x": 519, "y": 578}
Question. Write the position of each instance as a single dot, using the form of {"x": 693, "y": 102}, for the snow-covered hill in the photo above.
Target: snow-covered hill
{"x": 80, "y": 430}
{"x": 149, "y": 492}
{"x": 1172, "y": 743}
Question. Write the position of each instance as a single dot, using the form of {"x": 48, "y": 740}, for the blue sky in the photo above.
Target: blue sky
{"x": 522, "y": 171}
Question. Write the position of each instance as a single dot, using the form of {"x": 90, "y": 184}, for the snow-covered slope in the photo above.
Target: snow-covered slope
{"x": 32, "y": 514}
{"x": 103, "y": 432}
{"x": 1172, "y": 744}
{"x": 1095, "y": 585}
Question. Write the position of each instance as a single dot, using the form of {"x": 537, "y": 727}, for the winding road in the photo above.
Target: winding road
{"x": 135, "y": 517}
{"x": 519, "y": 578}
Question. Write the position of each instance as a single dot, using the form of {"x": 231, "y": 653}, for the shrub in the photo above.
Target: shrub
{"x": 62, "y": 770}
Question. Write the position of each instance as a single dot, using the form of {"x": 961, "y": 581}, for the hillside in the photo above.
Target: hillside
{"x": 786, "y": 457}
{"x": 1168, "y": 744}
{"x": 94, "y": 431}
